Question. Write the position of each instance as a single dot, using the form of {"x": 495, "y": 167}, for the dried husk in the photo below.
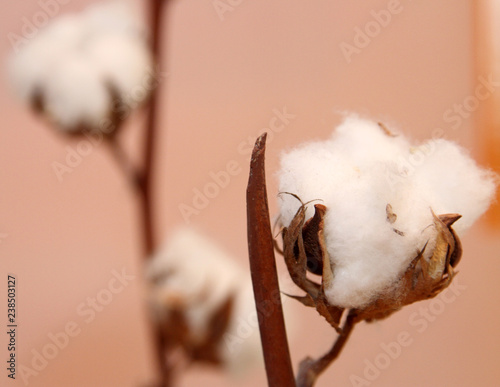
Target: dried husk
{"x": 304, "y": 249}
{"x": 178, "y": 334}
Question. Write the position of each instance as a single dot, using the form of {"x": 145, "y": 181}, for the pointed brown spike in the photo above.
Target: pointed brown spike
{"x": 304, "y": 300}
{"x": 264, "y": 274}
{"x": 449, "y": 219}
{"x": 332, "y": 314}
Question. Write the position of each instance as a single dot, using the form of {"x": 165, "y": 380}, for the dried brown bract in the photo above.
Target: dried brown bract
{"x": 178, "y": 334}
{"x": 304, "y": 242}
{"x": 304, "y": 249}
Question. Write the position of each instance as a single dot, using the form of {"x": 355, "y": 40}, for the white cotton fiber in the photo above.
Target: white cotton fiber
{"x": 192, "y": 272}
{"x": 29, "y": 68}
{"x": 89, "y": 106}
{"x": 109, "y": 41}
{"x": 130, "y": 80}
{"x": 357, "y": 173}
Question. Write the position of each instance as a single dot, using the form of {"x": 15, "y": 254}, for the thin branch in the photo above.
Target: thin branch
{"x": 130, "y": 171}
{"x": 264, "y": 275}
{"x": 157, "y": 13}
{"x": 310, "y": 369}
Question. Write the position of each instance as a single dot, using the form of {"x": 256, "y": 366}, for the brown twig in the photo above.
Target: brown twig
{"x": 264, "y": 275}
{"x": 156, "y": 15}
{"x": 146, "y": 187}
{"x": 130, "y": 171}
{"x": 310, "y": 369}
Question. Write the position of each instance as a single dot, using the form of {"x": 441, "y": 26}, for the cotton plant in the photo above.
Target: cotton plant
{"x": 376, "y": 218}
{"x": 86, "y": 71}
{"x": 204, "y": 302}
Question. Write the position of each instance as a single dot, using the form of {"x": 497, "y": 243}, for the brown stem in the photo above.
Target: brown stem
{"x": 129, "y": 169}
{"x": 310, "y": 369}
{"x": 156, "y": 14}
{"x": 146, "y": 189}
{"x": 264, "y": 274}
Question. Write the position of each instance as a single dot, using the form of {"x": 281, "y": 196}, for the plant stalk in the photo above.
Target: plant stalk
{"x": 264, "y": 275}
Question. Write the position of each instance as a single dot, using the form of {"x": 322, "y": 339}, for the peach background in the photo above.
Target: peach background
{"x": 225, "y": 79}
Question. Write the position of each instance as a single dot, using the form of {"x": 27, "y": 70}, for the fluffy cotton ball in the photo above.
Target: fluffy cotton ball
{"x": 109, "y": 40}
{"x": 357, "y": 173}
{"x": 193, "y": 273}
{"x": 131, "y": 81}
{"x": 88, "y": 107}
{"x": 29, "y": 68}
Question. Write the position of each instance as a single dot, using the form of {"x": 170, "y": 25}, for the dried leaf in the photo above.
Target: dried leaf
{"x": 208, "y": 350}
{"x": 295, "y": 255}
{"x": 304, "y": 300}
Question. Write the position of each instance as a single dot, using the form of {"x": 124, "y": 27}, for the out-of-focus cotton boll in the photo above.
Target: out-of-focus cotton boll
{"x": 356, "y": 174}
{"x": 29, "y": 68}
{"x": 109, "y": 42}
{"x": 130, "y": 81}
{"x": 192, "y": 275}
{"x": 89, "y": 107}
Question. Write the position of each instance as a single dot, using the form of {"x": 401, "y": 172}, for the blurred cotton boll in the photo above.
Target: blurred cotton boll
{"x": 107, "y": 54}
{"x": 71, "y": 110}
{"x": 83, "y": 70}
{"x": 205, "y": 302}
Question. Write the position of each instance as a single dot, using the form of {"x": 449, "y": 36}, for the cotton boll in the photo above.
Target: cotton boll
{"x": 126, "y": 64}
{"x": 36, "y": 60}
{"x": 108, "y": 41}
{"x": 74, "y": 96}
{"x": 191, "y": 273}
{"x": 360, "y": 174}
{"x": 199, "y": 273}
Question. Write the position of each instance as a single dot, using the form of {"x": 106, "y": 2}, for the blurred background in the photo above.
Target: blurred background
{"x": 231, "y": 69}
